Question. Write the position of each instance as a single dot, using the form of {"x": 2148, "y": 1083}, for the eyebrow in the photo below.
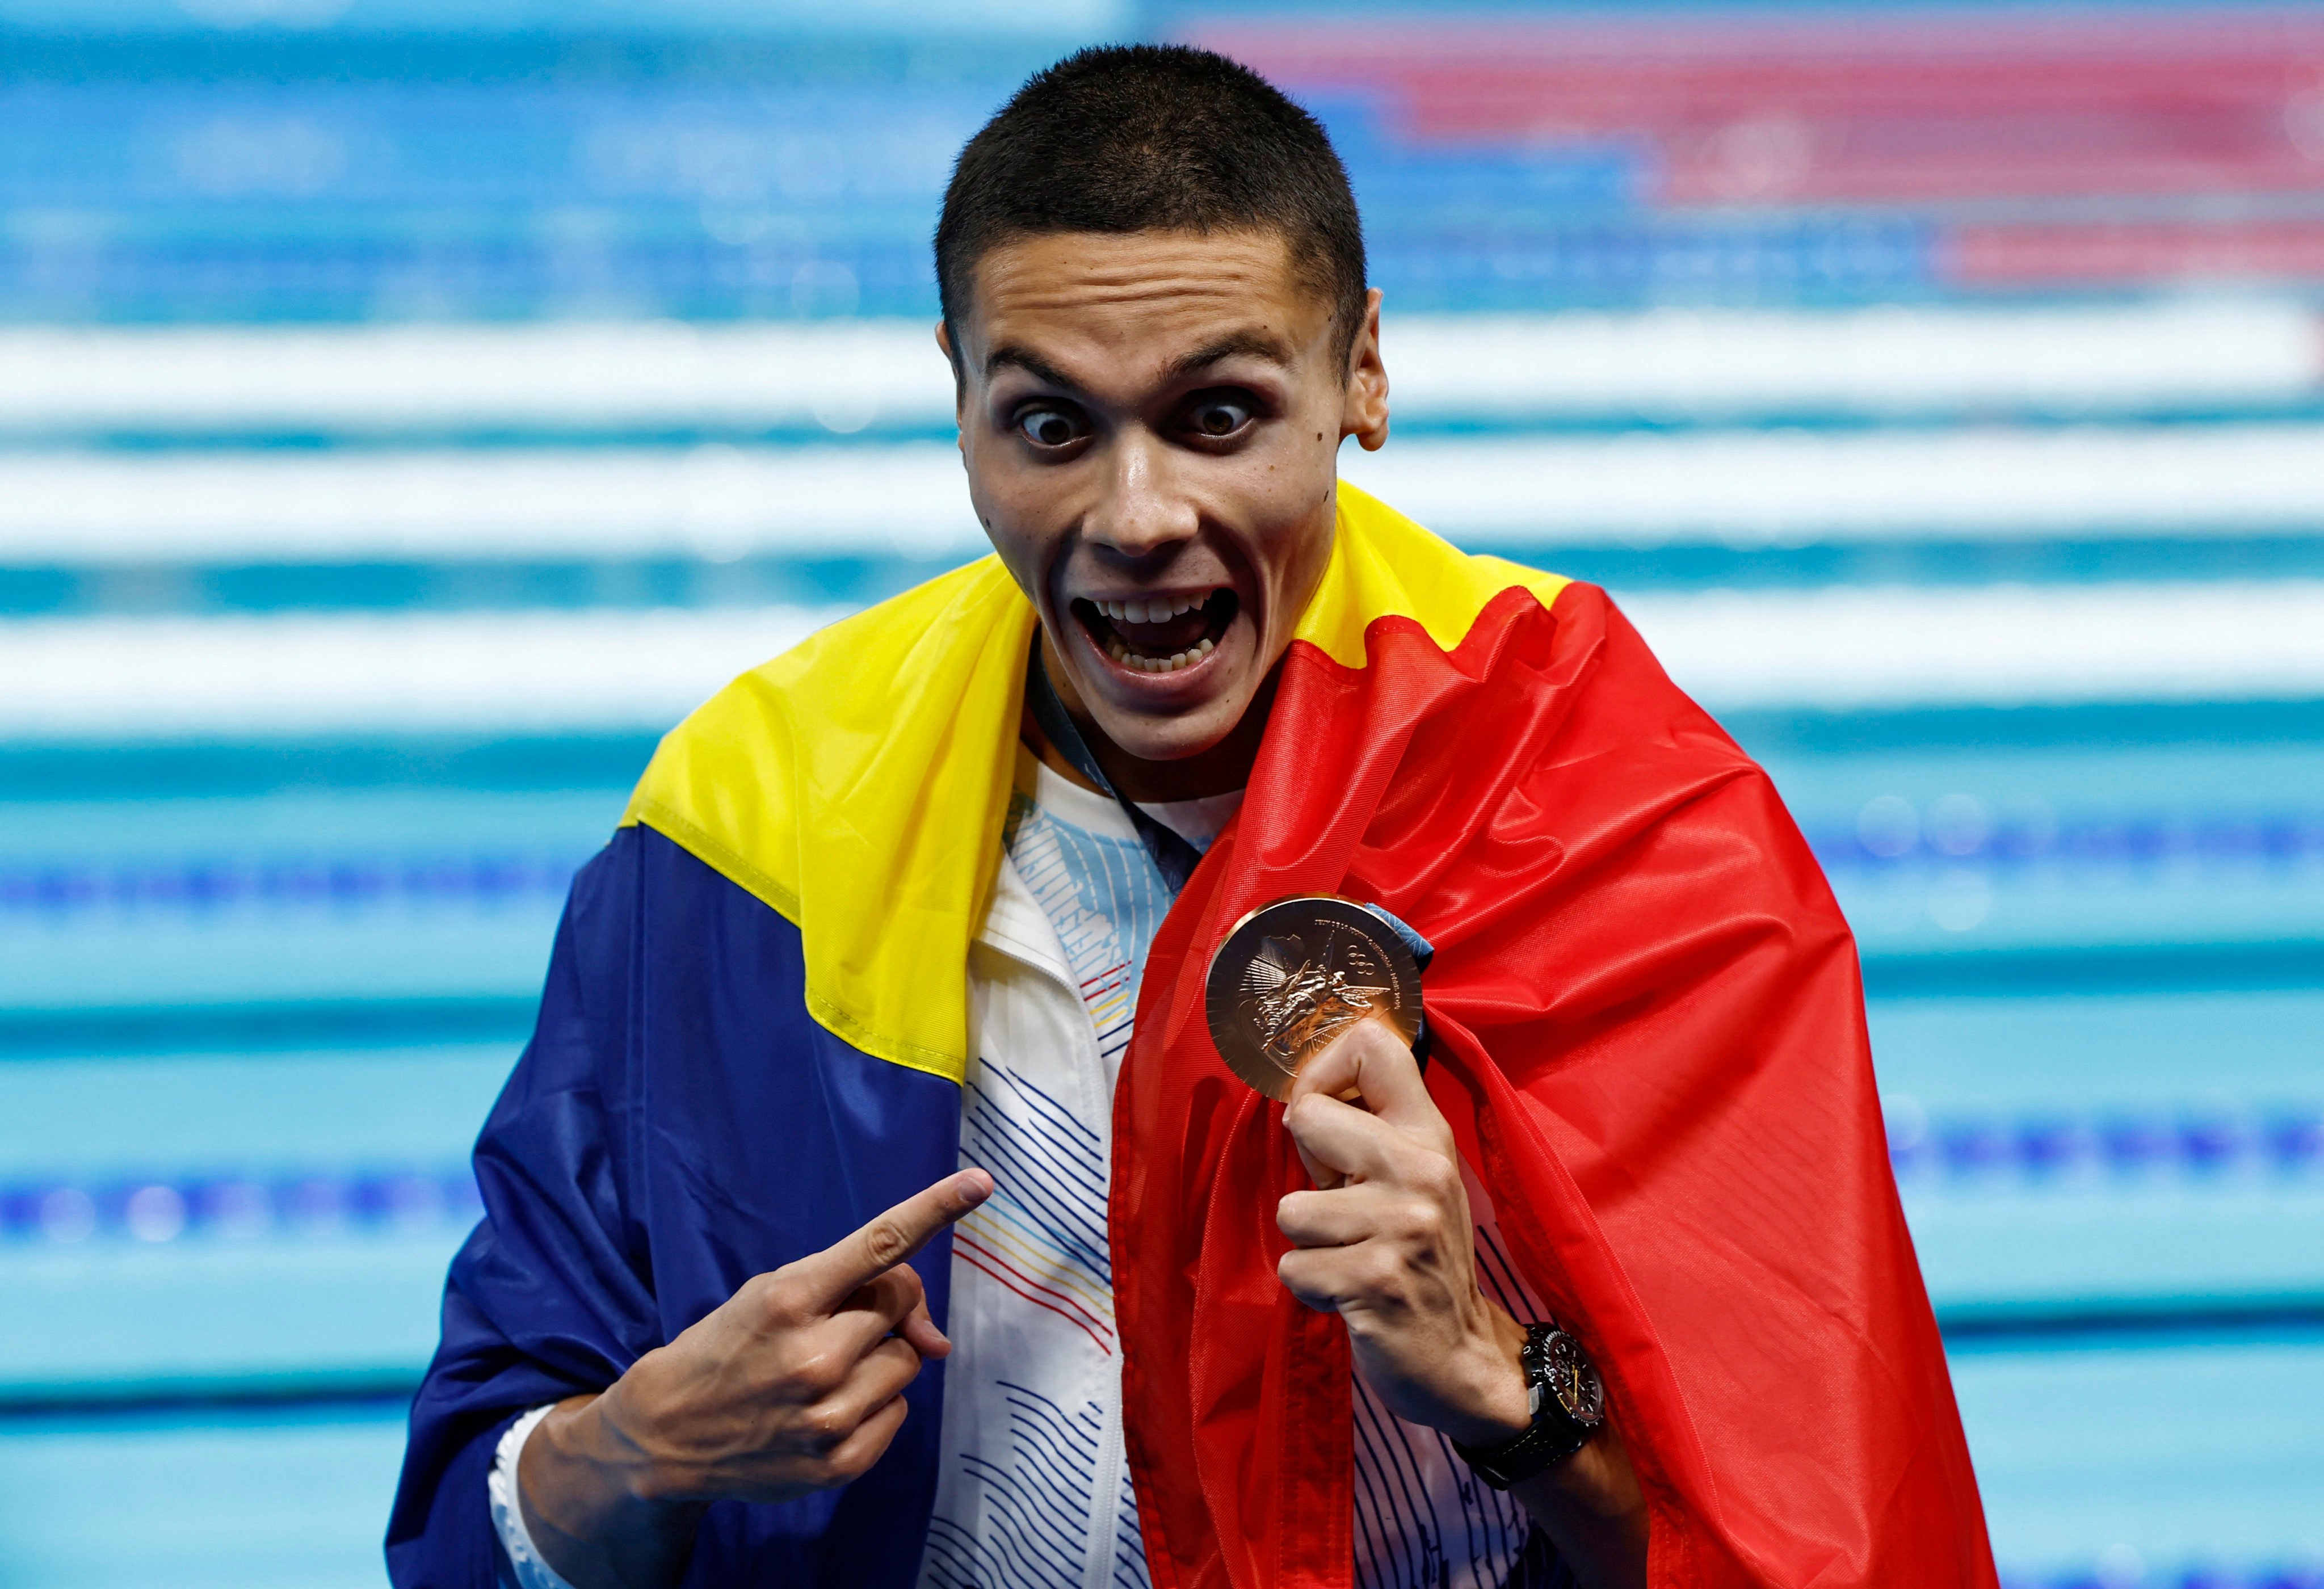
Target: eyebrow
{"x": 1235, "y": 343}
{"x": 1031, "y": 362}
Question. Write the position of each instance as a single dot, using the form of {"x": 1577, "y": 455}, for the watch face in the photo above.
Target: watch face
{"x": 1574, "y": 1383}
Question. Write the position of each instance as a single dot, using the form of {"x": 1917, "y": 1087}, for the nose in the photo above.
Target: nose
{"x": 1137, "y": 512}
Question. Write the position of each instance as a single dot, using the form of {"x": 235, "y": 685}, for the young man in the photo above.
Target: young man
{"x": 914, "y": 919}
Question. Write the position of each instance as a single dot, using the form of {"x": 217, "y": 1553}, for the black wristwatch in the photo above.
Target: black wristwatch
{"x": 1569, "y": 1404}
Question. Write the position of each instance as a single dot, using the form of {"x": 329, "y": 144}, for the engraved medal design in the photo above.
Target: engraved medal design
{"x": 1295, "y": 973}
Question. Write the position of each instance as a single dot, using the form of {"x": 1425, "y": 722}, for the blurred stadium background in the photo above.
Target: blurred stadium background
{"x": 406, "y": 409}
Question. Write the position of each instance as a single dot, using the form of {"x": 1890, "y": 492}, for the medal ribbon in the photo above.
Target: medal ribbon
{"x": 1173, "y": 857}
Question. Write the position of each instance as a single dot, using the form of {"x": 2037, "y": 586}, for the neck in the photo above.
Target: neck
{"x": 1222, "y": 769}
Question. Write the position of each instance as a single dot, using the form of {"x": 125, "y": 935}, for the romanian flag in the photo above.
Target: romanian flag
{"x": 1649, "y": 1038}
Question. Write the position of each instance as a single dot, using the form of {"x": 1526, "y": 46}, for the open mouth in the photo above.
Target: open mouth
{"x": 1158, "y": 634}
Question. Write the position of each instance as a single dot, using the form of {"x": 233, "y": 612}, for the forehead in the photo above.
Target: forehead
{"x": 1139, "y": 295}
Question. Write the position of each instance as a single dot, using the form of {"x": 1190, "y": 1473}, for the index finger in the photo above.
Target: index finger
{"x": 833, "y": 1275}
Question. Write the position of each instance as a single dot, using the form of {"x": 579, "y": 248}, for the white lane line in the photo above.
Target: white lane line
{"x": 715, "y": 501}
{"x": 842, "y": 374}
{"x": 1743, "y": 488}
{"x": 1681, "y": 363}
{"x": 123, "y": 677}
{"x": 2006, "y": 645}
{"x": 186, "y": 678}
{"x": 1771, "y": 487}
{"x": 845, "y": 375}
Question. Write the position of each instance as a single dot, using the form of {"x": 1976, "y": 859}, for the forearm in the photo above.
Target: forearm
{"x": 591, "y": 1504}
{"x": 1590, "y": 1507}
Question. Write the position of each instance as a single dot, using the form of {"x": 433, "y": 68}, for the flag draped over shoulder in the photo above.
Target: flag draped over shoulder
{"x": 1650, "y": 1039}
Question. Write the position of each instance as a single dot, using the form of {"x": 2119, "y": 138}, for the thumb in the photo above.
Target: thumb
{"x": 1369, "y": 1063}
{"x": 919, "y": 1330}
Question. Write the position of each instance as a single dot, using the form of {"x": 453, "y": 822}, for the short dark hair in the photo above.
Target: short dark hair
{"x": 1153, "y": 137}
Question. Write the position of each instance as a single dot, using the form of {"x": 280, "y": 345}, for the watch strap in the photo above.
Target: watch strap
{"x": 1554, "y": 1435}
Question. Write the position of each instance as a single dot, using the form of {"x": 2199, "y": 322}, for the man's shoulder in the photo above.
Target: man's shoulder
{"x": 1387, "y": 566}
{"x": 861, "y": 674}
{"x": 858, "y": 670}
{"x": 862, "y": 772}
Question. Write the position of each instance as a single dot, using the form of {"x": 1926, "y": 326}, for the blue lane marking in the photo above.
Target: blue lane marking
{"x": 164, "y": 1209}
{"x": 2140, "y": 840}
{"x": 2107, "y": 1574}
{"x": 2285, "y": 1140}
{"x": 1555, "y": 260}
{"x": 66, "y": 886}
{"x": 199, "y": 433}
{"x": 193, "y": 585}
{"x": 2288, "y": 1141}
{"x": 1790, "y": 741}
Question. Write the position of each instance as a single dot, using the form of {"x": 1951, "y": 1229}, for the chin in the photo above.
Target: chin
{"x": 1199, "y": 727}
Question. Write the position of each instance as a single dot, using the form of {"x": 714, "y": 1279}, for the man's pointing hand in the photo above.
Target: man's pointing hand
{"x": 794, "y": 1384}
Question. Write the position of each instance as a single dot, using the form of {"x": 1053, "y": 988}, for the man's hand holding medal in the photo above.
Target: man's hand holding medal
{"x": 1386, "y": 1240}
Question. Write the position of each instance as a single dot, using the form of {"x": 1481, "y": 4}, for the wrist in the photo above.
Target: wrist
{"x": 600, "y": 1511}
{"x": 582, "y": 1468}
{"x": 614, "y": 1435}
{"x": 1499, "y": 1404}
{"x": 1568, "y": 1403}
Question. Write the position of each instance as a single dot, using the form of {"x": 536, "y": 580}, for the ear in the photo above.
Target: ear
{"x": 959, "y": 381}
{"x": 1363, "y": 412}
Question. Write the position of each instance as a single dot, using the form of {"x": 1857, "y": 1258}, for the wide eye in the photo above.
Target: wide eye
{"x": 1048, "y": 427}
{"x": 1217, "y": 416}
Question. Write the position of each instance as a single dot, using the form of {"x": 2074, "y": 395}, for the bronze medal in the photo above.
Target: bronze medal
{"x": 1295, "y": 973}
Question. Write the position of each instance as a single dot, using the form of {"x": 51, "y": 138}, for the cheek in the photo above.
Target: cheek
{"x": 1021, "y": 554}
{"x": 1280, "y": 481}
{"x": 1010, "y": 513}
{"x": 1293, "y": 496}
{"x": 1022, "y": 528}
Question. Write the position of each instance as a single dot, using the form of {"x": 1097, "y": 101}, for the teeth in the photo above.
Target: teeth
{"x": 1151, "y": 612}
{"x": 1170, "y": 664}
{"x": 1154, "y": 612}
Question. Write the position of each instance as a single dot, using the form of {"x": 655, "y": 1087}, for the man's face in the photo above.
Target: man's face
{"x": 1149, "y": 423}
